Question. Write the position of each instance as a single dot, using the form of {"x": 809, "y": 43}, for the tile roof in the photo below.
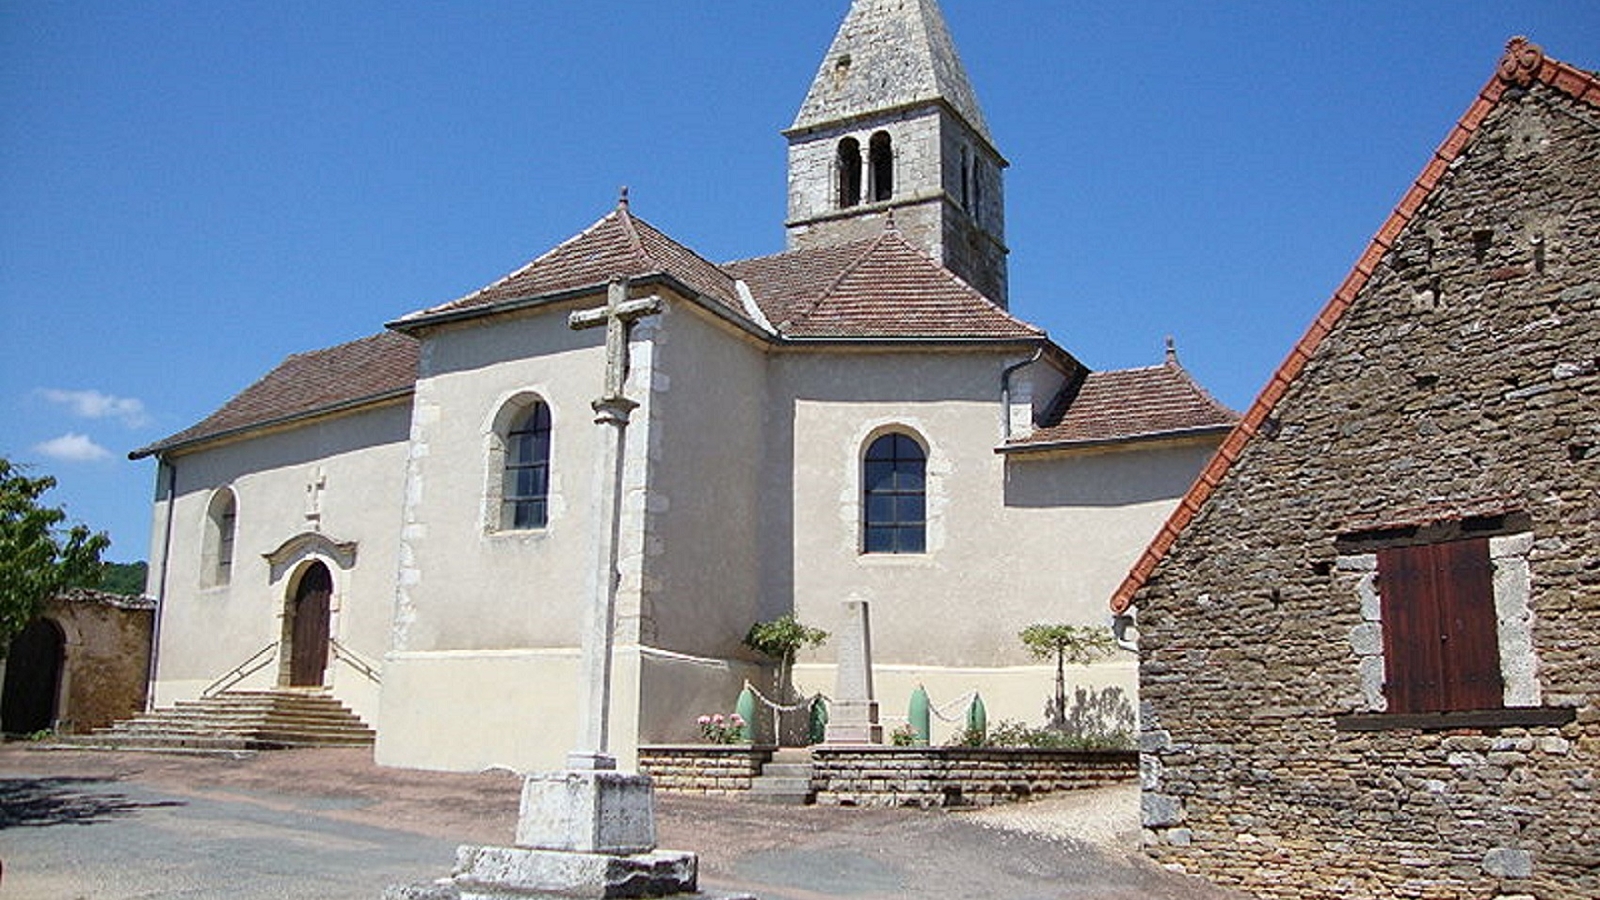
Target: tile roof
{"x": 1523, "y": 64}
{"x": 1123, "y": 404}
{"x": 882, "y": 288}
{"x": 306, "y": 384}
{"x": 618, "y": 244}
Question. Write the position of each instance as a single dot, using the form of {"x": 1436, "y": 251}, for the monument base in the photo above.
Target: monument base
{"x": 853, "y": 722}
{"x": 581, "y": 834}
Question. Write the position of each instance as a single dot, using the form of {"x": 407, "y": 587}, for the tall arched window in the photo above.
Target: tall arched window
{"x": 849, "y": 165}
{"x": 894, "y": 496}
{"x": 881, "y": 155}
{"x": 526, "y": 493}
{"x": 217, "y": 550}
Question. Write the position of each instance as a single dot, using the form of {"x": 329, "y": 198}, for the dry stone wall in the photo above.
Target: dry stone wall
{"x": 1463, "y": 381}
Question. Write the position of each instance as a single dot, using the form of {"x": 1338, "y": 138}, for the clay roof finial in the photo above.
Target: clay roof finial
{"x": 1172, "y": 351}
{"x": 622, "y": 198}
{"x": 1520, "y": 64}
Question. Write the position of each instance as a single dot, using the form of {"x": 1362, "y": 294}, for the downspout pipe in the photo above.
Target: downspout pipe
{"x": 1005, "y": 391}
{"x": 164, "y": 466}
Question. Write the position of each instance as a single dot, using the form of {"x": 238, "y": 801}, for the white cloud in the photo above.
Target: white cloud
{"x": 72, "y": 448}
{"x": 95, "y": 405}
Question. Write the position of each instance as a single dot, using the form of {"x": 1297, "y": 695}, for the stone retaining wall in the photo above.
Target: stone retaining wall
{"x": 960, "y": 776}
{"x": 711, "y": 769}
{"x": 895, "y": 776}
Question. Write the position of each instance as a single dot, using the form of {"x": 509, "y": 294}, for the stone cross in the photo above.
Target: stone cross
{"x": 618, "y": 315}
{"x": 611, "y": 413}
{"x": 314, "y": 489}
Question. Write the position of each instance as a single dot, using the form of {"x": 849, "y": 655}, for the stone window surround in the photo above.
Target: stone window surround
{"x": 217, "y": 543}
{"x": 506, "y": 411}
{"x": 1519, "y": 663}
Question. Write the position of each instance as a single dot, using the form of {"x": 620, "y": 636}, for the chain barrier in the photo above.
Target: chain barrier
{"x": 779, "y": 707}
{"x": 959, "y": 703}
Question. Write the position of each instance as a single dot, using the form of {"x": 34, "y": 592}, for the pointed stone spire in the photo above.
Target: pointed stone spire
{"x": 890, "y": 54}
{"x": 891, "y": 126}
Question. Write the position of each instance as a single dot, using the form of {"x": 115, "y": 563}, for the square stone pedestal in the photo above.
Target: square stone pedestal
{"x": 853, "y": 722}
{"x": 587, "y": 811}
{"x": 586, "y": 833}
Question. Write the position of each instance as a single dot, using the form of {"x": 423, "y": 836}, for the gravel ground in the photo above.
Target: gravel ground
{"x": 331, "y": 824}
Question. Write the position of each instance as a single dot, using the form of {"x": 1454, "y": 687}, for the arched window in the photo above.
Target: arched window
{"x": 881, "y": 156}
{"x": 894, "y": 496}
{"x": 849, "y": 164}
{"x": 526, "y": 493}
{"x": 217, "y": 550}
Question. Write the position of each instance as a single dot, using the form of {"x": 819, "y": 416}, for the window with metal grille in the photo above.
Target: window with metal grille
{"x": 894, "y": 496}
{"x": 526, "y": 493}
{"x": 1440, "y": 628}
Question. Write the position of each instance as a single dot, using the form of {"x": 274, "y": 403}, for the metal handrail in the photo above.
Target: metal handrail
{"x": 354, "y": 661}
{"x": 257, "y": 661}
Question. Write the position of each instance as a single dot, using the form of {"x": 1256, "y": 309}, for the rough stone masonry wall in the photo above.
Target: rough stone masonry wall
{"x": 1463, "y": 380}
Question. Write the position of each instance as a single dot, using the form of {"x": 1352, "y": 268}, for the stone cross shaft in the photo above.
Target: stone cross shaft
{"x": 611, "y": 414}
{"x": 618, "y": 315}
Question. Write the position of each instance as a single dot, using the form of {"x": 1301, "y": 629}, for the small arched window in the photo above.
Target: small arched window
{"x": 221, "y": 524}
{"x": 894, "y": 496}
{"x": 849, "y": 165}
{"x": 526, "y": 491}
{"x": 881, "y": 156}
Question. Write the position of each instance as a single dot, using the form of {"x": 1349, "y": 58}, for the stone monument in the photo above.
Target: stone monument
{"x": 853, "y": 715}
{"x": 589, "y": 830}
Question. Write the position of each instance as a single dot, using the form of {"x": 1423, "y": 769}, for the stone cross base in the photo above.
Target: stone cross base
{"x": 580, "y": 834}
{"x": 853, "y": 722}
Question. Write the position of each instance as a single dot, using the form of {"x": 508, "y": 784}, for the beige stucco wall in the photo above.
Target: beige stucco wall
{"x": 478, "y": 605}
{"x": 1011, "y": 540}
{"x": 207, "y": 630}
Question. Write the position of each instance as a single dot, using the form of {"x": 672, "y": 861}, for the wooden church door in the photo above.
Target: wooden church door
{"x": 308, "y": 642}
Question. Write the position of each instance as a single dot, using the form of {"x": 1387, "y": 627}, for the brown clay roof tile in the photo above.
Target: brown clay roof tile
{"x": 882, "y": 288}
{"x": 305, "y": 384}
{"x": 1130, "y": 403}
{"x": 618, "y": 244}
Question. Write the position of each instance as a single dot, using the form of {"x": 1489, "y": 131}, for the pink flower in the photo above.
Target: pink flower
{"x": 736, "y": 719}
{"x": 717, "y": 719}
{"x": 704, "y": 720}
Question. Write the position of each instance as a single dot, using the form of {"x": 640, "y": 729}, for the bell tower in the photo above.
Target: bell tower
{"x": 891, "y": 126}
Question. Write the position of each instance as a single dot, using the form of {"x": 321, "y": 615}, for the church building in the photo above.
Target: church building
{"x": 409, "y": 520}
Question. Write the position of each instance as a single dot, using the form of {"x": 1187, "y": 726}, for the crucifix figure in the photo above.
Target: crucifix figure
{"x": 611, "y": 412}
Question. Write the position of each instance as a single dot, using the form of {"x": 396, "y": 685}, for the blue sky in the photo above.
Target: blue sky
{"x": 191, "y": 191}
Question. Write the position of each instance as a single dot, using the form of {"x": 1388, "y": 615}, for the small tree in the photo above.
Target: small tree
{"x": 1076, "y": 644}
{"x": 37, "y": 559}
{"x": 781, "y": 639}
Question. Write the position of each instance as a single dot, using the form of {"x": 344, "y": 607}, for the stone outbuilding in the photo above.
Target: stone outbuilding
{"x": 82, "y": 664}
{"x": 1369, "y": 633}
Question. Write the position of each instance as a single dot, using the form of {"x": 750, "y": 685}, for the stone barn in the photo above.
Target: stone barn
{"x": 1370, "y": 633}
{"x": 83, "y": 663}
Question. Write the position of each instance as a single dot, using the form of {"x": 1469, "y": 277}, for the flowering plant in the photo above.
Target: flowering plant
{"x": 720, "y": 729}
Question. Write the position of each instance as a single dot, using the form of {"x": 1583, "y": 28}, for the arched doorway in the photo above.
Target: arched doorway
{"x": 33, "y": 678}
{"x": 308, "y": 626}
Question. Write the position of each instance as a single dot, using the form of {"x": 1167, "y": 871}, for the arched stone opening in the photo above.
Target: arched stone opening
{"x": 32, "y": 691}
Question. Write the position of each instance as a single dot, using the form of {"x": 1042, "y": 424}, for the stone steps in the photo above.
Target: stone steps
{"x": 786, "y": 780}
{"x": 231, "y": 722}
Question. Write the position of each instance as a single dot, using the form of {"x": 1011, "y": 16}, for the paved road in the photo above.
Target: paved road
{"x": 330, "y": 824}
